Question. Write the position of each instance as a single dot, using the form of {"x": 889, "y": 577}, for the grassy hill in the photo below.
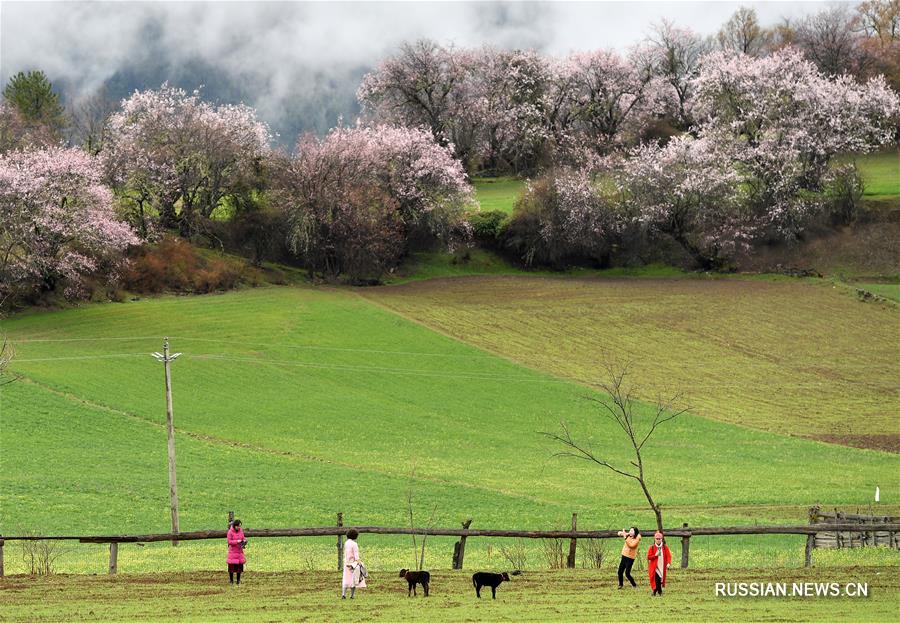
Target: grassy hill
{"x": 292, "y": 404}
{"x": 792, "y": 357}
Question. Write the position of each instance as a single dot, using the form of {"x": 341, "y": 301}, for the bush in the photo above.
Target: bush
{"x": 487, "y": 227}
{"x": 593, "y": 553}
{"x": 174, "y": 265}
{"x": 563, "y": 218}
{"x": 843, "y": 191}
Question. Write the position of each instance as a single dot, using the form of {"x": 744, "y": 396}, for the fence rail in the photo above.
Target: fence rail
{"x": 457, "y": 532}
{"x": 685, "y": 532}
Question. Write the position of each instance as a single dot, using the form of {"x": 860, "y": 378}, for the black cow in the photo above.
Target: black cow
{"x": 483, "y": 578}
{"x": 416, "y": 577}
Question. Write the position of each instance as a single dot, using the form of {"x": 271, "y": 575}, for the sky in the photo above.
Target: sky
{"x": 299, "y": 63}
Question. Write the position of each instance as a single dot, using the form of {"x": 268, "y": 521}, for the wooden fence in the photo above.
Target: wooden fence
{"x": 835, "y": 538}
{"x": 685, "y": 532}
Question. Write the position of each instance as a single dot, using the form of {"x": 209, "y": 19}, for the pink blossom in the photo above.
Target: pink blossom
{"x": 56, "y": 218}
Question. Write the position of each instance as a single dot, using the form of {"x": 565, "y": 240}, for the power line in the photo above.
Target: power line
{"x": 487, "y": 376}
{"x": 79, "y": 357}
{"x": 85, "y": 339}
{"x": 335, "y": 348}
{"x": 408, "y": 371}
{"x": 245, "y": 343}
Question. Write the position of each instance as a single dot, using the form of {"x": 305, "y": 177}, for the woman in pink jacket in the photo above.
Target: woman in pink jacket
{"x": 236, "y": 545}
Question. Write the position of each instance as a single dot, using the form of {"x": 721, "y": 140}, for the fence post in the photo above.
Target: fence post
{"x": 113, "y": 558}
{"x": 340, "y": 542}
{"x": 685, "y": 548}
{"x": 810, "y": 541}
{"x": 570, "y": 561}
{"x": 230, "y": 518}
{"x": 459, "y": 549}
{"x": 1, "y": 556}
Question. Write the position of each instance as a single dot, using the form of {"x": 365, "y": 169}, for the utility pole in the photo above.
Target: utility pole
{"x": 166, "y": 359}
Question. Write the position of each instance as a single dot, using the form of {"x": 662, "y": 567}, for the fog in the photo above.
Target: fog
{"x": 300, "y": 63}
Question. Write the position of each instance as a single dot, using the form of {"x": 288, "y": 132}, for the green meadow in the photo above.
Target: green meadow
{"x": 880, "y": 173}
{"x": 498, "y": 193}
{"x": 293, "y": 404}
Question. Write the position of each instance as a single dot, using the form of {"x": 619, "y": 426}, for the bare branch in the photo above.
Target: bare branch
{"x": 7, "y": 353}
{"x": 621, "y": 407}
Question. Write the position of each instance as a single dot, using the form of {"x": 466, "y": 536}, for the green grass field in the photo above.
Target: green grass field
{"x": 880, "y": 173}
{"x": 295, "y": 403}
{"x": 541, "y": 597}
{"x": 498, "y": 193}
{"x": 828, "y": 362}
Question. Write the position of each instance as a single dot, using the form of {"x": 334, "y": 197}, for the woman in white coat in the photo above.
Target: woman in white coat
{"x": 354, "y": 570}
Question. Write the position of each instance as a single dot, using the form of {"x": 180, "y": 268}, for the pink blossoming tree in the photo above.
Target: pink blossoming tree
{"x": 57, "y": 222}
{"x": 781, "y": 123}
{"x": 355, "y": 199}
{"x": 175, "y": 159}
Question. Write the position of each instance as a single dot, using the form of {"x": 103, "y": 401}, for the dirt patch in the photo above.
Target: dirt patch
{"x": 886, "y": 443}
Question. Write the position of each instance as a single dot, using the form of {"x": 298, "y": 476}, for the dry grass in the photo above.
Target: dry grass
{"x": 789, "y": 357}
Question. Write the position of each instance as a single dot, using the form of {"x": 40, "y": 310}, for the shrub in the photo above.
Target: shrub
{"x": 515, "y": 552}
{"x": 556, "y": 552}
{"x": 174, "y": 265}
{"x": 843, "y": 191}
{"x": 563, "y": 218}
{"x": 593, "y": 552}
{"x": 487, "y": 227}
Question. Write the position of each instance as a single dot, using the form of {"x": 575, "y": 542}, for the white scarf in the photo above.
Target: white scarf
{"x": 660, "y": 561}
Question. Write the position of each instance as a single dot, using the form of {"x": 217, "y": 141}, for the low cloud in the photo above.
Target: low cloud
{"x": 300, "y": 63}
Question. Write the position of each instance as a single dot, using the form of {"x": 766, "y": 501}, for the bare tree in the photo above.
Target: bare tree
{"x": 621, "y": 408}
{"x": 675, "y": 54}
{"x": 515, "y": 552}
{"x": 880, "y": 19}
{"x": 829, "y": 39}
{"x": 88, "y": 115}
{"x": 742, "y": 33}
{"x": 418, "y": 554}
{"x": 6, "y": 356}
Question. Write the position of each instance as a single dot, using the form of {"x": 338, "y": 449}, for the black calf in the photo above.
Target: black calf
{"x": 416, "y": 577}
{"x": 493, "y": 580}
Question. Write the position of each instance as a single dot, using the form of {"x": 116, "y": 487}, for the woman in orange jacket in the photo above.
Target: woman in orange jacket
{"x": 629, "y": 553}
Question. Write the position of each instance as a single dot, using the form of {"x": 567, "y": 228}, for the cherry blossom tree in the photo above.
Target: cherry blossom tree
{"x": 174, "y": 157}
{"x": 673, "y": 54}
{"x": 505, "y": 99}
{"x": 16, "y": 132}
{"x": 564, "y": 216}
{"x": 690, "y": 190}
{"x": 782, "y": 122}
{"x": 57, "y": 222}
{"x": 612, "y": 98}
{"x": 354, "y": 199}
{"x": 419, "y": 87}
